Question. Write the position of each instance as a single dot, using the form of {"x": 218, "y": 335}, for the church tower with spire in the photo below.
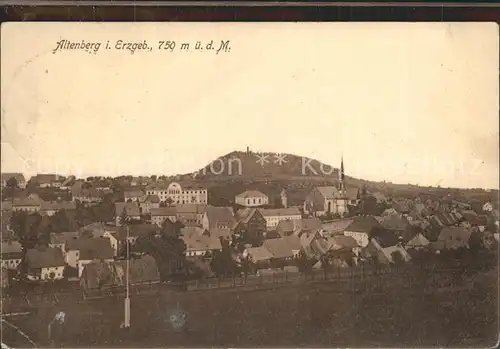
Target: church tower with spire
{"x": 341, "y": 176}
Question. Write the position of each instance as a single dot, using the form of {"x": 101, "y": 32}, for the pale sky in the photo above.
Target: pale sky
{"x": 408, "y": 103}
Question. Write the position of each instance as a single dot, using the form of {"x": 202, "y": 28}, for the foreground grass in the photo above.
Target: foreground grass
{"x": 379, "y": 313}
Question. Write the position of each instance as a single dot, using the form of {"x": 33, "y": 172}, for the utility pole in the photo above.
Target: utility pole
{"x": 126, "y": 322}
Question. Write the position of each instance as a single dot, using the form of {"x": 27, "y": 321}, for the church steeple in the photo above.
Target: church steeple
{"x": 341, "y": 174}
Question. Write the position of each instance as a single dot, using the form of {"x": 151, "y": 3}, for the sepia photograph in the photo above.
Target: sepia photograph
{"x": 237, "y": 185}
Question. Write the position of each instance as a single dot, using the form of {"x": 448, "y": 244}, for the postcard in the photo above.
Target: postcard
{"x": 249, "y": 184}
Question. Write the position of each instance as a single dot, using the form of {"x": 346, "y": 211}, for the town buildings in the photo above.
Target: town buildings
{"x": 19, "y": 179}
{"x": 174, "y": 193}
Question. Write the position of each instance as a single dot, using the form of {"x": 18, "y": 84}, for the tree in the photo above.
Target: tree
{"x": 26, "y": 228}
{"x": 12, "y": 183}
{"x": 222, "y": 263}
{"x": 11, "y": 187}
{"x": 171, "y": 229}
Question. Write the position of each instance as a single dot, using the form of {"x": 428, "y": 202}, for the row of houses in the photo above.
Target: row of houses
{"x": 34, "y": 203}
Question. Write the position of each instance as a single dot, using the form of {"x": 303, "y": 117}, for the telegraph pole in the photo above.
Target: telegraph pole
{"x": 126, "y": 322}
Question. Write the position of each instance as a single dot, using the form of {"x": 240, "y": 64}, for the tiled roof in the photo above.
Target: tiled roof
{"x": 220, "y": 216}
{"x": 454, "y": 234}
{"x": 352, "y": 193}
{"x": 279, "y": 212}
{"x": 283, "y": 247}
{"x": 31, "y": 200}
{"x": 134, "y": 193}
{"x": 11, "y": 247}
{"x": 337, "y": 226}
{"x": 258, "y": 254}
{"x": 394, "y": 222}
{"x": 91, "y": 248}
{"x": 340, "y": 242}
{"x": 191, "y": 208}
{"x": 385, "y": 238}
{"x": 220, "y": 232}
{"x": 245, "y": 214}
{"x": 251, "y": 194}
{"x": 196, "y": 242}
{"x": 44, "y": 257}
{"x": 330, "y": 192}
{"x": 364, "y": 224}
{"x": 163, "y": 212}
{"x": 131, "y": 208}
{"x": 61, "y": 238}
{"x": 58, "y": 205}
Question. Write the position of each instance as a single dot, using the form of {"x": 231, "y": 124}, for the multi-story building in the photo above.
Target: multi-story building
{"x": 274, "y": 216}
{"x": 175, "y": 194}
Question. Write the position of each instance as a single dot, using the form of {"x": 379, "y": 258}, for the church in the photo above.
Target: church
{"x": 328, "y": 200}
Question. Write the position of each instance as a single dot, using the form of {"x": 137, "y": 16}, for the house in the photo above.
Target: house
{"x": 47, "y": 180}
{"x": 31, "y": 203}
{"x": 396, "y": 224}
{"x": 81, "y": 251}
{"x": 402, "y": 206}
{"x": 191, "y": 214}
{"x": 416, "y": 242}
{"x": 44, "y": 263}
{"x": 100, "y": 274}
{"x": 298, "y": 226}
{"x": 130, "y": 233}
{"x": 148, "y": 202}
{"x": 339, "y": 243}
{"x": 418, "y": 212}
{"x": 218, "y": 217}
{"x": 285, "y": 248}
{"x": 133, "y": 195}
{"x": 84, "y": 192}
{"x": 313, "y": 244}
{"x": 251, "y": 198}
{"x": 50, "y": 208}
{"x": 362, "y": 228}
{"x": 252, "y": 226}
{"x": 326, "y": 200}
{"x": 160, "y": 214}
{"x": 259, "y": 256}
{"x": 276, "y": 215}
{"x": 199, "y": 242}
{"x": 19, "y": 177}
{"x": 128, "y": 210}
{"x": 12, "y": 254}
{"x": 454, "y": 237}
{"x": 176, "y": 194}
{"x": 336, "y": 227}
{"x": 58, "y": 240}
{"x": 383, "y": 246}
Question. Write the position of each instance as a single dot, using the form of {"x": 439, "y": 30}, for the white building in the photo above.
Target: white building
{"x": 251, "y": 198}
{"x": 174, "y": 193}
{"x": 274, "y": 216}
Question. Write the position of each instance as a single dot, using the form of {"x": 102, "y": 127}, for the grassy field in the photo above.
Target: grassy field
{"x": 312, "y": 315}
